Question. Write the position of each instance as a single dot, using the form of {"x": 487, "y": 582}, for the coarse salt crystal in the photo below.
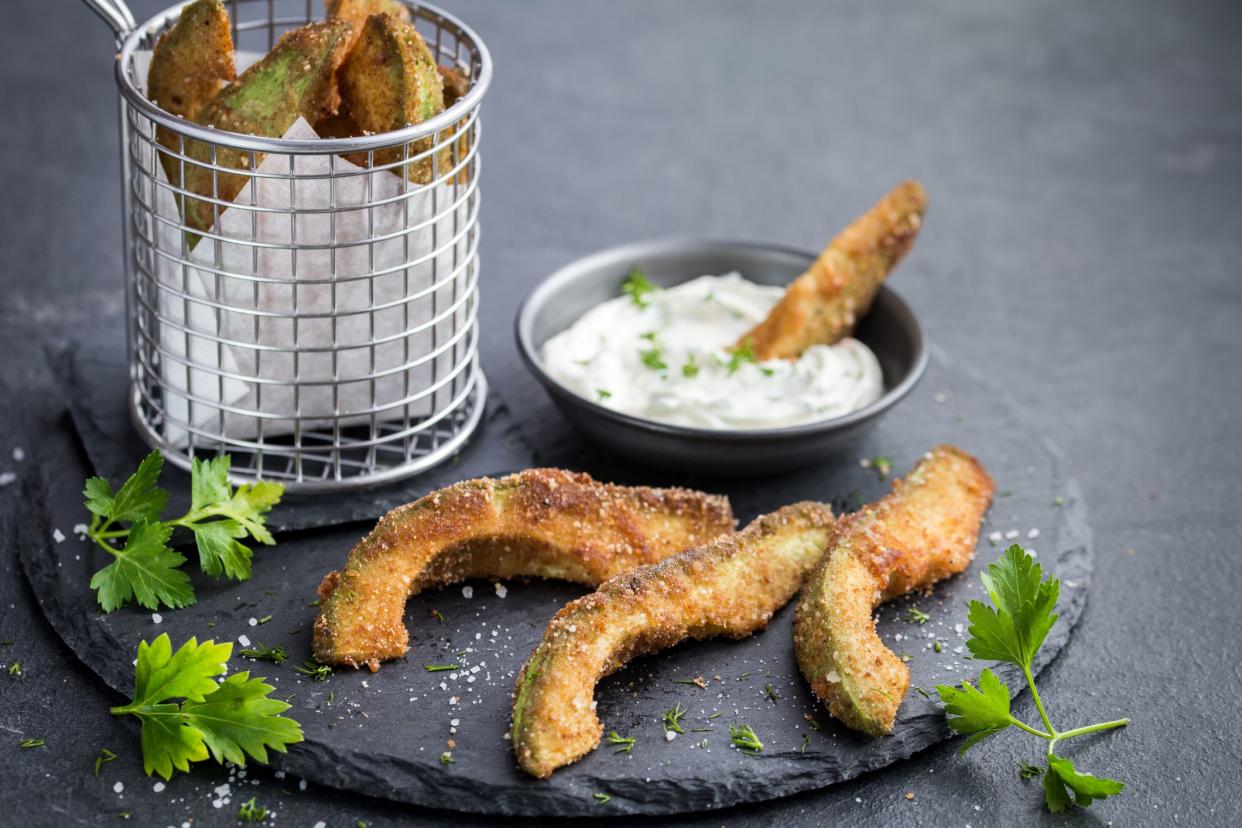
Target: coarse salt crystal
{"x": 58, "y": 536}
{"x": 157, "y": 787}
{"x": 156, "y": 618}
{"x": 6, "y": 478}
{"x": 453, "y": 700}
{"x": 254, "y": 622}
{"x": 301, "y": 784}
{"x": 19, "y": 454}
{"x": 467, "y": 592}
{"x": 501, "y": 590}
{"x": 994, "y": 536}
{"x": 670, "y": 735}
{"x": 243, "y": 640}
{"x": 118, "y": 787}
{"x": 1034, "y": 533}
{"x": 454, "y": 722}
{"x": 1011, "y": 534}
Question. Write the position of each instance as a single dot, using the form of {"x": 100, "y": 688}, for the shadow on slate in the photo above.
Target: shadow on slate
{"x": 382, "y": 734}
{"x": 97, "y": 403}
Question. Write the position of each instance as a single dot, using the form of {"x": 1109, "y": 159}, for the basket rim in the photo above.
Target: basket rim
{"x": 326, "y": 146}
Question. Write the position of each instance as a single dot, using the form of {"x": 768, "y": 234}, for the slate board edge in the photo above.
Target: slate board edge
{"x": 317, "y": 762}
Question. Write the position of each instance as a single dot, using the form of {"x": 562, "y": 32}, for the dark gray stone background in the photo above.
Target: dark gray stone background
{"x": 1081, "y": 253}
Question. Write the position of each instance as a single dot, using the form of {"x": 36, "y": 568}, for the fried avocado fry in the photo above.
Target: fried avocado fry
{"x": 454, "y": 82}
{"x": 821, "y": 306}
{"x": 922, "y": 532}
{"x": 729, "y": 587}
{"x": 295, "y": 78}
{"x": 189, "y": 65}
{"x": 541, "y": 522}
{"x": 390, "y": 81}
{"x": 356, "y": 12}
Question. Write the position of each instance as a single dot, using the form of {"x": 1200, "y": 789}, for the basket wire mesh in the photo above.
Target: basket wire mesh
{"x": 323, "y": 330}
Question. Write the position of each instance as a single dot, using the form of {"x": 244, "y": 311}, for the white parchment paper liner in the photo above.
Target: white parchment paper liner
{"x": 253, "y": 370}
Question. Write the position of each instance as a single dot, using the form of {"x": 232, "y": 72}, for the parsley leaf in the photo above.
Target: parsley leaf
{"x": 1062, "y": 778}
{"x": 638, "y": 287}
{"x": 1015, "y": 630}
{"x": 145, "y": 569}
{"x": 226, "y": 720}
{"x": 220, "y": 551}
{"x": 981, "y": 712}
{"x": 138, "y": 498}
{"x": 239, "y": 720}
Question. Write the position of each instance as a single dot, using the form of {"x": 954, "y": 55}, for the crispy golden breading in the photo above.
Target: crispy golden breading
{"x": 924, "y": 531}
{"x": 729, "y": 587}
{"x": 189, "y": 65}
{"x": 541, "y": 522}
{"x": 455, "y": 83}
{"x": 356, "y": 12}
{"x": 295, "y": 78}
{"x": 822, "y": 305}
{"x": 389, "y": 81}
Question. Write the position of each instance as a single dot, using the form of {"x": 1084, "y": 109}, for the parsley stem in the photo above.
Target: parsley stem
{"x": 1095, "y": 728}
{"x": 1039, "y": 704}
{"x": 1029, "y": 729}
{"x": 103, "y": 544}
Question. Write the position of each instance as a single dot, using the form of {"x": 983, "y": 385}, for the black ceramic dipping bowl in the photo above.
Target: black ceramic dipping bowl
{"x": 889, "y": 329}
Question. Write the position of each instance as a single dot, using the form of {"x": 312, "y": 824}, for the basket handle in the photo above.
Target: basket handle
{"x": 116, "y": 14}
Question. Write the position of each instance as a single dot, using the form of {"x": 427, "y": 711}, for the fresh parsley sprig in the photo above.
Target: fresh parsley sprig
{"x": 144, "y": 568}
{"x": 1012, "y": 632}
{"x": 224, "y": 720}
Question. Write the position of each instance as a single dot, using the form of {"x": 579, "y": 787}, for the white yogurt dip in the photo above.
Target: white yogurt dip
{"x": 667, "y": 355}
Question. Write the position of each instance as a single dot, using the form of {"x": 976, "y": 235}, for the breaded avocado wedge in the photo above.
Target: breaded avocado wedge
{"x": 540, "y": 522}
{"x": 190, "y": 64}
{"x": 923, "y": 532}
{"x": 356, "y": 12}
{"x": 295, "y": 78}
{"x": 822, "y": 306}
{"x": 730, "y": 587}
{"x": 390, "y": 81}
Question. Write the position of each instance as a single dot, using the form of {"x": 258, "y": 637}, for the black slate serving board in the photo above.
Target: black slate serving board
{"x": 382, "y": 734}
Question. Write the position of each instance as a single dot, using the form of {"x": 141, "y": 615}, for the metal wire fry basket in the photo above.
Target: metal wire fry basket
{"x": 323, "y": 330}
